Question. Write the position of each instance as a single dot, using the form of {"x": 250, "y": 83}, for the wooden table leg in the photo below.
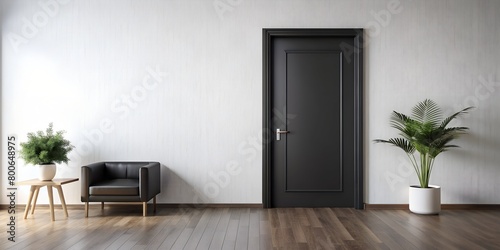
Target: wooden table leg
{"x": 35, "y": 199}
{"x": 32, "y": 191}
{"x": 51, "y": 202}
{"x": 61, "y": 197}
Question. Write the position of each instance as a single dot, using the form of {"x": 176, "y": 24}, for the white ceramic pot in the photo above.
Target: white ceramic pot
{"x": 47, "y": 172}
{"x": 425, "y": 200}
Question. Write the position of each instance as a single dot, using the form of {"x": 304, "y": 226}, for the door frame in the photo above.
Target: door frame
{"x": 268, "y": 135}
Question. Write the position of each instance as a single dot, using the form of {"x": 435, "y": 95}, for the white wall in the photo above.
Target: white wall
{"x": 201, "y": 111}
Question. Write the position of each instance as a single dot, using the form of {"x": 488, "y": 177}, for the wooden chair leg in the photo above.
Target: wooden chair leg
{"x": 154, "y": 204}
{"x": 102, "y": 205}
{"x": 145, "y": 208}
{"x": 86, "y": 209}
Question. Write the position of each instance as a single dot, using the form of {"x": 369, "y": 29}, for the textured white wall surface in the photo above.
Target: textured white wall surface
{"x": 180, "y": 82}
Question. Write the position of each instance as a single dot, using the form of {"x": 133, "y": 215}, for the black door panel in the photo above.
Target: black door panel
{"x": 314, "y": 164}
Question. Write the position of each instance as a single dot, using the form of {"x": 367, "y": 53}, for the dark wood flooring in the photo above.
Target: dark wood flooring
{"x": 124, "y": 227}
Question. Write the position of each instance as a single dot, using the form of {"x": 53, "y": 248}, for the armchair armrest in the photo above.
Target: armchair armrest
{"x": 90, "y": 174}
{"x": 149, "y": 181}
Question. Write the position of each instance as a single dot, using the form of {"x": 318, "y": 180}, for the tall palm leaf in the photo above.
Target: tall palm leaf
{"x": 425, "y": 132}
{"x": 427, "y": 112}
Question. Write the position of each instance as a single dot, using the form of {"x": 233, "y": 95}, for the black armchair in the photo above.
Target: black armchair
{"x": 120, "y": 182}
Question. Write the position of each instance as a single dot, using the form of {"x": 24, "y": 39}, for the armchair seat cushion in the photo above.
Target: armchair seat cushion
{"x": 115, "y": 187}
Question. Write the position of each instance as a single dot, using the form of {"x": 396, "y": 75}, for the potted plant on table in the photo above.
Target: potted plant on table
{"x": 425, "y": 135}
{"x": 45, "y": 150}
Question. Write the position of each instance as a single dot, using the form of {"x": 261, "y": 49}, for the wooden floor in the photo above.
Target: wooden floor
{"x": 253, "y": 228}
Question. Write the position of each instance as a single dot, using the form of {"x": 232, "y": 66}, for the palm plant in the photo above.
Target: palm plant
{"x": 426, "y": 133}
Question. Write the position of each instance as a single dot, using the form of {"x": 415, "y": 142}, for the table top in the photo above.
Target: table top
{"x": 53, "y": 182}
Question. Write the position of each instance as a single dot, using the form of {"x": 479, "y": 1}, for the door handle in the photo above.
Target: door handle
{"x": 279, "y": 132}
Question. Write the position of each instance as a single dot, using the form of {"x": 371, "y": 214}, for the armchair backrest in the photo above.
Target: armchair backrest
{"x": 123, "y": 170}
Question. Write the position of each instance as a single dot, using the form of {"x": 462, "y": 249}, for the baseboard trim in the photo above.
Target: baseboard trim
{"x": 212, "y": 205}
{"x": 386, "y": 206}
{"x": 159, "y": 205}
{"x": 443, "y": 206}
{"x": 470, "y": 206}
{"x": 253, "y": 205}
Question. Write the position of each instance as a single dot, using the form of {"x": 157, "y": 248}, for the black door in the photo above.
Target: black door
{"x": 313, "y": 112}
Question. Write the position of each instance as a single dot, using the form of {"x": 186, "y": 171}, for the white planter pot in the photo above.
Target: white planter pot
{"x": 425, "y": 200}
{"x": 47, "y": 172}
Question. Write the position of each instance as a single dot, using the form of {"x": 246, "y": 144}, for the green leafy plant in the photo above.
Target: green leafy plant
{"x": 45, "y": 148}
{"x": 427, "y": 133}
